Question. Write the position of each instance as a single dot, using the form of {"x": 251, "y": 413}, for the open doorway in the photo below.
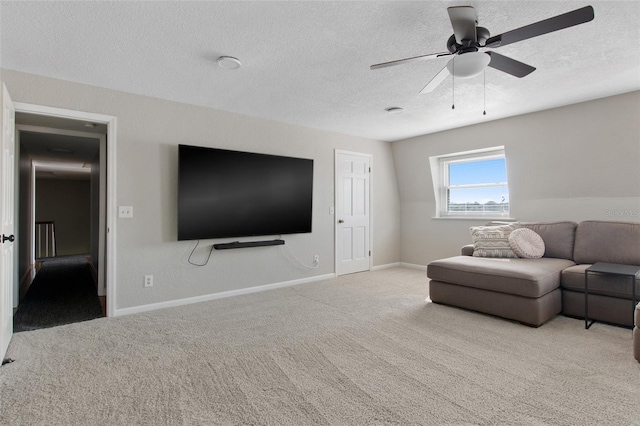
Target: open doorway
{"x": 62, "y": 200}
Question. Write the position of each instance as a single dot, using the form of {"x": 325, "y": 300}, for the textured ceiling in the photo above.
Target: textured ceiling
{"x": 307, "y": 63}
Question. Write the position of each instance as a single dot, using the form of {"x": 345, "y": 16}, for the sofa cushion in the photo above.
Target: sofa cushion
{"x": 492, "y": 241}
{"x": 526, "y": 243}
{"x": 558, "y": 237}
{"x": 523, "y": 277}
{"x": 605, "y": 285}
{"x": 611, "y": 242}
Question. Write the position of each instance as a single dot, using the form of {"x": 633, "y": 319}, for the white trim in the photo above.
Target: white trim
{"x": 474, "y": 218}
{"x": 62, "y": 113}
{"x": 440, "y": 178}
{"x": 386, "y": 266}
{"x": 221, "y": 295}
{"x": 110, "y": 121}
{"x": 472, "y": 153}
{"x": 110, "y": 255}
{"x": 413, "y": 266}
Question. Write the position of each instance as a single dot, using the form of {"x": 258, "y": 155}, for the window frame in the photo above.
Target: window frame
{"x": 440, "y": 175}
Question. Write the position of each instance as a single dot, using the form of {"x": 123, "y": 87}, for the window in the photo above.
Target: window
{"x": 471, "y": 184}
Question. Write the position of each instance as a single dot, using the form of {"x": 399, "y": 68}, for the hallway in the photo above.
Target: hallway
{"x": 63, "y": 292}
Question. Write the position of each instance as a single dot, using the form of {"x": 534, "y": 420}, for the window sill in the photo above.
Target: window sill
{"x": 490, "y": 218}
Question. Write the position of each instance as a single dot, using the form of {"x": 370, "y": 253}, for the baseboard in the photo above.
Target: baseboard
{"x": 94, "y": 271}
{"x": 215, "y": 296}
{"x": 386, "y": 266}
{"x": 413, "y": 266}
{"x": 25, "y": 281}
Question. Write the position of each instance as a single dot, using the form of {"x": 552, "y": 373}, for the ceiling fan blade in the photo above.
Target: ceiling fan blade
{"x": 435, "y": 81}
{"x": 463, "y": 21}
{"x": 510, "y": 66}
{"x": 412, "y": 59}
{"x": 566, "y": 20}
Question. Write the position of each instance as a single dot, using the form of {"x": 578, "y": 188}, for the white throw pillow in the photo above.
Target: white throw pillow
{"x": 526, "y": 243}
{"x": 492, "y": 241}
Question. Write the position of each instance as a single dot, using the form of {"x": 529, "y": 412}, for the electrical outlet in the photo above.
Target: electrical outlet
{"x": 316, "y": 259}
{"x": 125, "y": 212}
{"x": 148, "y": 280}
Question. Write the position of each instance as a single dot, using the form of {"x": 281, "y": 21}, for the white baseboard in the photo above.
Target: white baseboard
{"x": 26, "y": 280}
{"x": 400, "y": 265}
{"x": 413, "y": 266}
{"x": 214, "y": 296}
{"x": 386, "y": 266}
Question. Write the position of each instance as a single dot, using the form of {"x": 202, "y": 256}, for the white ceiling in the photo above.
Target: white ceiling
{"x": 307, "y": 63}
{"x": 59, "y": 156}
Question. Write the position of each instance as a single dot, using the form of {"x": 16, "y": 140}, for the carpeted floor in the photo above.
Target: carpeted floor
{"x": 62, "y": 292}
{"x": 362, "y": 349}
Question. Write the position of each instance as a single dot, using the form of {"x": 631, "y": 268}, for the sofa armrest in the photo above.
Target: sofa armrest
{"x": 467, "y": 250}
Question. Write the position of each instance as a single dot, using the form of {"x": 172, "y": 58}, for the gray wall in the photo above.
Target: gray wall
{"x": 573, "y": 163}
{"x": 148, "y": 133}
{"x": 24, "y": 200}
{"x": 68, "y": 204}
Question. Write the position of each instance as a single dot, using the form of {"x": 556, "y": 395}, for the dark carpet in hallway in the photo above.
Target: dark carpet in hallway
{"x": 62, "y": 292}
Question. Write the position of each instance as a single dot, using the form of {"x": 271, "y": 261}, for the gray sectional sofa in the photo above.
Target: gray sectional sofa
{"x": 532, "y": 291}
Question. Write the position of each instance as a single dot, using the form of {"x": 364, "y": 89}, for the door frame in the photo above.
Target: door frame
{"x": 337, "y": 152}
{"x": 110, "y": 212}
{"x": 7, "y": 250}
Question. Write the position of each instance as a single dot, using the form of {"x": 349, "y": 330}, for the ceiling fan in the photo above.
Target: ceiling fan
{"x": 468, "y": 41}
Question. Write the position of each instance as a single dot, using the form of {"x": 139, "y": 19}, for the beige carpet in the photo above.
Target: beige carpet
{"x": 363, "y": 349}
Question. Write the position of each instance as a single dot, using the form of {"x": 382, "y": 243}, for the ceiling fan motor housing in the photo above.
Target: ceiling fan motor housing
{"x": 468, "y": 39}
{"x": 482, "y": 35}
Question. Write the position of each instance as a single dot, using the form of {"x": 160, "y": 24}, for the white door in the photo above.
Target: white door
{"x": 352, "y": 212}
{"x": 7, "y": 159}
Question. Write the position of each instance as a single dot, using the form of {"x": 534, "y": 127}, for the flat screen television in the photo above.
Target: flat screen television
{"x": 223, "y": 193}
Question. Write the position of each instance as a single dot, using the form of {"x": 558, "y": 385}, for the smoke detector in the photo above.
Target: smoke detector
{"x": 228, "y": 62}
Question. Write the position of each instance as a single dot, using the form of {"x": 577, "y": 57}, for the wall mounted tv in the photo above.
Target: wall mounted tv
{"x": 224, "y": 193}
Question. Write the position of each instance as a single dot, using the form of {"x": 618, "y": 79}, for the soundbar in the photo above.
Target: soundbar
{"x": 238, "y": 244}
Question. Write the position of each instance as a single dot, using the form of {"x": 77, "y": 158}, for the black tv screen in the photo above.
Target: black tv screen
{"x": 224, "y": 193}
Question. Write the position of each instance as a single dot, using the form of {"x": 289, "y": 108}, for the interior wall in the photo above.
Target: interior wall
{"x": 24, "y": 234}
{"x": 94, "y": 220}
{"x": 148, "y": 133}
{"x": 575, "y": 163}
{"x": 67, "y": 203}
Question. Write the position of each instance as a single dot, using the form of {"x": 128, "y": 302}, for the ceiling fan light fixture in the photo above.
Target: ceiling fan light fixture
{"x": 469, "y": 64}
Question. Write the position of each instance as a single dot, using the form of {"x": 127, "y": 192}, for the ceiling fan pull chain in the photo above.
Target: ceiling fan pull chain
{"x": 453, "y": 84}
{"x": 484, "y": 92}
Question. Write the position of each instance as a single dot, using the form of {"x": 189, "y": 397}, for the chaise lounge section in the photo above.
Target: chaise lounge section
{"x": 532, "y": 291}
{"x": 524, "y": 290}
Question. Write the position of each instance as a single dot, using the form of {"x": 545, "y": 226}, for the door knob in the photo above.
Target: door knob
{"x": 11, "y": 238}
{"x": 340, "y": 221}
